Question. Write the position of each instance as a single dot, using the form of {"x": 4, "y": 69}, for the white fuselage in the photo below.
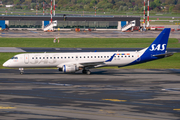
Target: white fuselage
{"x": 36, "y": 60}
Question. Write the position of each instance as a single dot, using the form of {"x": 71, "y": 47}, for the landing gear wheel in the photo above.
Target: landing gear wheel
{"x": 21, "y": 70}
{"x": 88, "y": 72}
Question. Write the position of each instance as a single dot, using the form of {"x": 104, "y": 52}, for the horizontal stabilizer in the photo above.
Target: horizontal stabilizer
{"x": 165, "y": 55}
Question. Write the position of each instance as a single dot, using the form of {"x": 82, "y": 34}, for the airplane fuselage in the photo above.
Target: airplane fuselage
{"x": 31, "y": 60}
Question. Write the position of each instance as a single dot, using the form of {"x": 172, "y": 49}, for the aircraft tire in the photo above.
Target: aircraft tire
{"x": 88, "y": 72}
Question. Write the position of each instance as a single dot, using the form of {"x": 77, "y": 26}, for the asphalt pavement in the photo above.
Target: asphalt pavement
{"x": 106, "y": 94}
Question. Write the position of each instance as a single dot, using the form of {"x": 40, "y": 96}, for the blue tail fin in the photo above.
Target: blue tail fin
{"x": 160, "y": 43}
{"x": 156, "y": 50}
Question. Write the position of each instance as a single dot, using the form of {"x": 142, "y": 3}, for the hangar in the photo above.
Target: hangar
{"x": 26, "y": 22}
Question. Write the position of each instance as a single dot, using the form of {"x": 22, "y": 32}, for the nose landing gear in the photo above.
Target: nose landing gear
{"x": 21, "y": 70}
{"x": 84, "y": 71}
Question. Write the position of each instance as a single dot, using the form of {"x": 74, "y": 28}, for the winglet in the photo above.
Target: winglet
{"x": 110, "y": 59}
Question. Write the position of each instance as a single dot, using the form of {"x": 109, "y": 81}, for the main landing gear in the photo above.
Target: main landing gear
{"x": 84, "y": 71}
{"x": 21, "y": 70}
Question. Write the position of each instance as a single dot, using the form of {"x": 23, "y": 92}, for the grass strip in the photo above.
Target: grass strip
{"x": 84, "y": 42}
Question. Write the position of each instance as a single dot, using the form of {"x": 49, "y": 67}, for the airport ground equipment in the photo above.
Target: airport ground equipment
{"x": 129, "y": 26}
{"x": 50, "y": 26}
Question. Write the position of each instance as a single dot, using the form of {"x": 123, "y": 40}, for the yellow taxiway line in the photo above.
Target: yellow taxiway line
{"x": 1, "y": 107}
{"x": 115, "y": 100}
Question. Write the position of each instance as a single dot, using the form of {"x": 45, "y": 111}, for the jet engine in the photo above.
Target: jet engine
{"x": 69, "y": 68}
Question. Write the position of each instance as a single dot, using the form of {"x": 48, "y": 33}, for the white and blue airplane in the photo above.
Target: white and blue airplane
{"x": 72, "y": 62}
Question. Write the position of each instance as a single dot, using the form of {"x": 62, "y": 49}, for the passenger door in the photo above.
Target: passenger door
{"x": 26, "y": 59}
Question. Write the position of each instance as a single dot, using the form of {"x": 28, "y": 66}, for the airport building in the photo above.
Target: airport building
{"x": 66, "y": 22}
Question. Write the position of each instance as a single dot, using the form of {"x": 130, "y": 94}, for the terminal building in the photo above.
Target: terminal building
{"x": 66, "y": 22}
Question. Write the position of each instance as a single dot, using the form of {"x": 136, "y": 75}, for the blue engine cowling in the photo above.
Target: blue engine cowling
{"x": 69, "y": 68}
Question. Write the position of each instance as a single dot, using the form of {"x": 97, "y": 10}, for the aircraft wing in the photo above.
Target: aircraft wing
{"x": 88, "y": 63}
{"x": 91, "y": 64}
{"x": 96, "y": 63}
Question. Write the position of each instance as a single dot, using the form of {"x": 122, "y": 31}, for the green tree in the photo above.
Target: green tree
{"x": 168, "y": 2}
{"x": 177, "y": 8}
{"x": 28, "y": 3}
{"x": 125, "y": 8}
{"x": 139, "y": 3}
{"x": 100, "y": 4}
{"x": 17, "y": 2}
{"x": 33, "y": 5}
{"x": 79, "y": 1}
{"x": 152, "y": 5}
{"x": 136, "y": 8}
{"x": 25, "y": 7}
{"x": 171, "y": 8}
{"x": 120, "y": 8}
{"x": 157, "y": 2}
{"x": 18, "y": 7}
{"x": 108, "y": 5}
{"x": 61, "y": 3}
{"x": 93, "y": 2}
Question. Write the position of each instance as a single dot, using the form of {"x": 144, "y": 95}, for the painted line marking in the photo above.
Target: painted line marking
{"x": 115, "y": 100}
{"x": 1, "y": 107}
{"x": 177, "y": 109}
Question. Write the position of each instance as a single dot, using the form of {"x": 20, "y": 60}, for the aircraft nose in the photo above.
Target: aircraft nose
{"x": 6, "y": 64}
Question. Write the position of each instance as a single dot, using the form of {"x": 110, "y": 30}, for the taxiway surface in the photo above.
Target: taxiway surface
{"x": 106, "y": 94}
{"x": 85, "y": 34}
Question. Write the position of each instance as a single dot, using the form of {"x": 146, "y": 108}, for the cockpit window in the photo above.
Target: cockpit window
{"x": 14, "y": 58}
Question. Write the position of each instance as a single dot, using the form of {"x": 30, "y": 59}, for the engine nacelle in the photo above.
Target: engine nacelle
{"x": 69, "y": 68}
